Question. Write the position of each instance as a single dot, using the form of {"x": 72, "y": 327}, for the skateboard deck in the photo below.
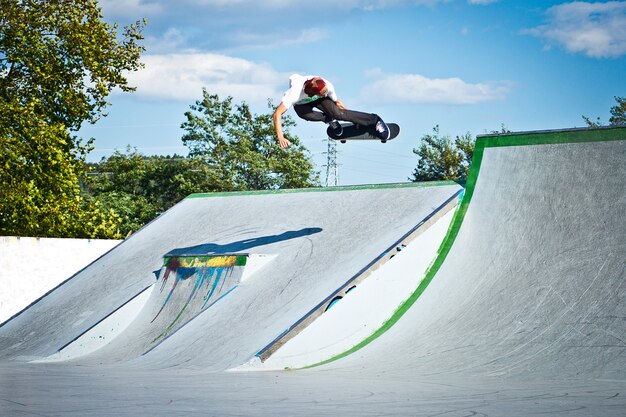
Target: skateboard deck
{"x": 353, "y": 132}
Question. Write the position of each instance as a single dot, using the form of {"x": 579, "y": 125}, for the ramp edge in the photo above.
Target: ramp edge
{"x": 361, "y": 275}
{"x": 424, "y": 184}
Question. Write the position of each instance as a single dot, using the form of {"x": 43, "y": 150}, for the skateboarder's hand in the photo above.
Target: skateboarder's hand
{"x": 284, "y": 142}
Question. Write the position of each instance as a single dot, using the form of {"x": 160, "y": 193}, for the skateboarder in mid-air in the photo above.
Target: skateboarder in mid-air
{"x": 307, "y": 93}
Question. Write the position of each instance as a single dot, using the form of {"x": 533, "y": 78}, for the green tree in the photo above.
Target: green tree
{"x": 40, "y": 193}
{"x": 138, "y": 188}
{"x": 443, "y": 159}
{"x": 241, "y": 148}
{"x": 117, "y": 184}
{"x": 58, "y": 63}
{"x": 618, "y": 112}
{"x": 618, "y": 115}
{"x": 592, "y": 123}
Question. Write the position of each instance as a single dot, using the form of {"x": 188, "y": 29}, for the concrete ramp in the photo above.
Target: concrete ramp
{"x": 187, "y": 286}
{"x": 522, "y": 313}
{"x": 195, "y": 284}
{"x": 533, "y": 282}
{"x": 316, "y": 238}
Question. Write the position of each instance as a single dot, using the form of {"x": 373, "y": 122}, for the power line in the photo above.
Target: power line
{"x": 362, "y": 146}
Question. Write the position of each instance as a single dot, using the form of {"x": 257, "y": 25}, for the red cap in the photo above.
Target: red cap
{"x": 314, "y": 86}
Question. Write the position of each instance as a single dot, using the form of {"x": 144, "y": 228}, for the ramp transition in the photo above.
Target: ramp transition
{"x": 187, "y": 286}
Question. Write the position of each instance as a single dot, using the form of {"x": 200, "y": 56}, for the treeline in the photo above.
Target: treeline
{"x": 137, "y": 188}
{"x": 444, "y": 158}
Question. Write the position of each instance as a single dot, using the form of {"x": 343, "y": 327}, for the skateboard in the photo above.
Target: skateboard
{"x": 355, "y": 132}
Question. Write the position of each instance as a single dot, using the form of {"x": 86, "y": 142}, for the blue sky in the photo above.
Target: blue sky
{"x": 465, "y": 65}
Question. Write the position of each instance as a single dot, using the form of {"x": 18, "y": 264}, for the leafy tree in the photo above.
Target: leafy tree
{"x": 618, "y": 115}
{"x": 618, "y": 112}
{"x": 138, "y": 187}
{"x": 133, "y": 211}
{"x": 40, "y": 194}
{"x": 58, "y": 63}
{"x": 116, "y": 183}
{"x": 241, "y": 148}
{"x": 443, "y": 159}
{"x": 592, "y": 123}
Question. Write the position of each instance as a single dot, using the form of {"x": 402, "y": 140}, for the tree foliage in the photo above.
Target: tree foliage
{"x": 441, "y": 158}
{"x": 138, "y": 188}
{"x": 63, "y": 58}
{"x": 58, "y": 63}
{"x": 618, "y": 115}
{"x": 229, "y": 149}
{"x": 241, "y": 148}
{"x": 40, "y": 192}
{"x": 618, "y": 112}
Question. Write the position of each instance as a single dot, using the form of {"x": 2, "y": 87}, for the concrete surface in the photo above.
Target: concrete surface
{"x": 352, "y": 319}
{"x": 188, "y": 285}
{"x": 382, "y": 268}
{"x": 522, "y": 313}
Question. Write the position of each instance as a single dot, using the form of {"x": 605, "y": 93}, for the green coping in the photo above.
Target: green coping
{"x": 424, "y": 184}
{"x": 483, "y": 142}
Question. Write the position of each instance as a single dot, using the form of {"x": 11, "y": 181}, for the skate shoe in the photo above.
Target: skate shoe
{"x": 382, "y": 130}
{"x": 336, "y": 127}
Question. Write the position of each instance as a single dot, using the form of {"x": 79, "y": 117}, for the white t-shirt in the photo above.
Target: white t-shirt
{"x": 296, "y": 95}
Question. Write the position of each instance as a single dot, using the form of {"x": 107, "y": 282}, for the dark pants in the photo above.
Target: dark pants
{"x": 330, "y": 111}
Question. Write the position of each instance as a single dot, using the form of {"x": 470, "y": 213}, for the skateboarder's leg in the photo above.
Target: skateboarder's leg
{"x": 331, "y": 112}
{"x": 307, "y": 112}
{"x": 367, "y": 120}
{"x": 331, "y": 109}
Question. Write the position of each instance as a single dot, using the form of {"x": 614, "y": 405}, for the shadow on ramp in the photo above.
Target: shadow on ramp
{"x": 243, "y": 245}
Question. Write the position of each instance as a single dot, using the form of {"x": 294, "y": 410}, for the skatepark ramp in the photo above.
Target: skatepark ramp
{"x": 418, "y": 244}
{"x": 521, "y": 312}
{"x": 310, "y": 237}
{"x": 187, "y": 286}
{"x": 532, "y": 281}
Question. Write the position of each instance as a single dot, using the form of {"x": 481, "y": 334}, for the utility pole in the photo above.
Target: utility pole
{"x": 332, "y": 171}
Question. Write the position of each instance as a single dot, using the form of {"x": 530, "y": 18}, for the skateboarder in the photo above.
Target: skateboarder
{"x": 307, "y": 93}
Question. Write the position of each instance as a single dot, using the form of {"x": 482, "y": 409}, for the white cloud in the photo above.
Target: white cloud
{"x": 481, "y": 2}
{"x": 172, "y": 40}
{"x": 269, "y": 40}
{"x": 182, "y": 77}
{"x": 133, "y": 9}
{"x": 415, "y": 88}
{"x": 324, "y": 6}
{"x": 597, "y": 30}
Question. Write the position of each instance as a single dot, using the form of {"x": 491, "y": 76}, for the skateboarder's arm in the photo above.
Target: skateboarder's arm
{"x": 278, "y": 126}
{"x": 340, "y": 104}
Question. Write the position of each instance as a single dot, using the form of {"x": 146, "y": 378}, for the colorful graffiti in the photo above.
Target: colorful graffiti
{"x": 195, "y": 283}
